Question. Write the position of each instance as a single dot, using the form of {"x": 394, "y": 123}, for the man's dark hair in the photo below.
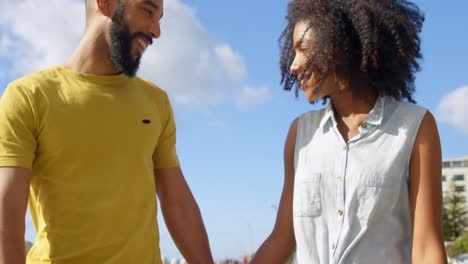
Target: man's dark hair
{"x": 367, "y": 43}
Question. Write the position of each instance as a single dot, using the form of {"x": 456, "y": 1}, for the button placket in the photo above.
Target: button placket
{"x": 340, "y": 197}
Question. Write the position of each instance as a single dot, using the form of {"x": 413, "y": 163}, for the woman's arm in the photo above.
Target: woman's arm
{"x": 279, "y": 246}
{"x": 426, "y": 195}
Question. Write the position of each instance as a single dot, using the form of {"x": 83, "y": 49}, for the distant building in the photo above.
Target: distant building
{"x": 456, "y": 171}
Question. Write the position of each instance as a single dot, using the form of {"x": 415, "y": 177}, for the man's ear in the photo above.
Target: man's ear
{"x": 105, "y": 7}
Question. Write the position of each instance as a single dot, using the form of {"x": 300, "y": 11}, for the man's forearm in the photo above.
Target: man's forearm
{"x": 14, "y": 191}
{"x": 186, "y": 227}
{"x": 12, "y": 248}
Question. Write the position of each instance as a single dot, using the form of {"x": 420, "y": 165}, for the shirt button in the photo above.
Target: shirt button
{"x": 345, "y": 147}
{"x": 340, "y": 179}
{"x": 364, "y": 125}
{"x": 340, "y": 212}
{"x": 333, "y": 246}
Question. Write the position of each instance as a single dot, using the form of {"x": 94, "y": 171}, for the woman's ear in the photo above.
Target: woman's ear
{"x": 341, "y": 85}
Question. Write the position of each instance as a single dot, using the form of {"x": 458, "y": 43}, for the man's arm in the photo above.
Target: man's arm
{"x": 14, "y": 192}
{"x": 182, "y": 216}
{"x": 279, "y": 246}
{"x": 426, "y": 195}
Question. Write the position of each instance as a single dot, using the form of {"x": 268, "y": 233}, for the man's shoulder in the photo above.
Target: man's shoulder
{"x": 36, "y": 79}
{"x": 150, "y": 87}
{"x": 147, "y": 84}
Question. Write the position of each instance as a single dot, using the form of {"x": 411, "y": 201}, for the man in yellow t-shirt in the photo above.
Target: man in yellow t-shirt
{"x": 88, "y": 145}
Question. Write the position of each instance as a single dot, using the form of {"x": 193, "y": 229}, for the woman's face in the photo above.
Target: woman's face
{"x": 303, "y": 52}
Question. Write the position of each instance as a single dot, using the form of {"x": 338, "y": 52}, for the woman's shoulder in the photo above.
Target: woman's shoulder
{"x": 414, "y": 107}
{"x": 405, "y": 111}
{"x": 313, "y": 118}
{"x": 313, "y": 115}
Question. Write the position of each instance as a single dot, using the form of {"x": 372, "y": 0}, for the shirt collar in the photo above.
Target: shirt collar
{"x": 374, "y": 118}
{"x": 376, "y": 115}
{"x": 328, "y": 115}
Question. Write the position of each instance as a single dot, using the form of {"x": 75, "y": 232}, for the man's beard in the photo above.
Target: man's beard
{"x": 121, "y": 44}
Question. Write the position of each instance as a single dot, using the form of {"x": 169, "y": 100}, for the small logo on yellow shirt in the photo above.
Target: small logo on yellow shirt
{"x": 146, "y": 121}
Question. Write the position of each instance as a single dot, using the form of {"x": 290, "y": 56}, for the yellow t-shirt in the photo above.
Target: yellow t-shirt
{"x": 92, "y": 143}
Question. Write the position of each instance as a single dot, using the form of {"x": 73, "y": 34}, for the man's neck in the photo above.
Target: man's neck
{"x": 93, "y": 55}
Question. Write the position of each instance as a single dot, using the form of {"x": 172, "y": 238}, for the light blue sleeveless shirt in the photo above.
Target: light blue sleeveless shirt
{"x": 351, "y": 200}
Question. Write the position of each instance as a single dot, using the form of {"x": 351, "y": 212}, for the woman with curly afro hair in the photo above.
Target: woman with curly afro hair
{"x": 363, "y": 175}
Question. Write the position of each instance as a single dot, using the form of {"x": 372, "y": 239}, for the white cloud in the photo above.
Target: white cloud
{"x": 232, "y": 61}
{"x": 250, "y": 95}
{"x": 453, "y": 109}
{"x": 38, "y": 34}
{"x": 5, "y": 44}
{"x": 187, "y": 61}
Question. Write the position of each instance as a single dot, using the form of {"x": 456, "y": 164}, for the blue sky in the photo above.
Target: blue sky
{"x": 232, "y": 115}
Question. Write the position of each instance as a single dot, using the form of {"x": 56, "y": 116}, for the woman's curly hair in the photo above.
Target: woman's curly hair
{"x": 367, "y": 43}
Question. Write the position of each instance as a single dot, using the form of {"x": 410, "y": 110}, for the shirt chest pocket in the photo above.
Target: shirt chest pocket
{"x": 377, "y": 195}
{"x": 307, "y": 196}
